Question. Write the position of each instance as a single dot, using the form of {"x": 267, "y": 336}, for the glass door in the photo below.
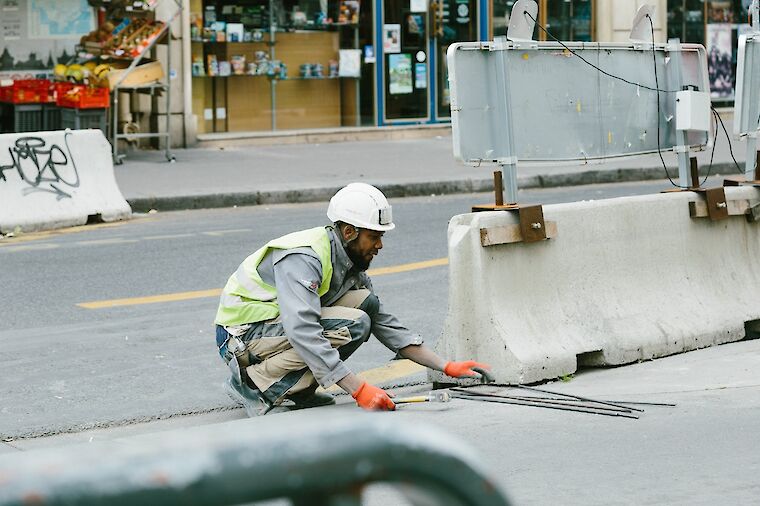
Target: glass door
{"x": 406, "y": 60}
{"x": 454, "y": 21}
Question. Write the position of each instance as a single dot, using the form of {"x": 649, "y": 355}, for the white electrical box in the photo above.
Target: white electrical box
{"x": 693, "y": 110}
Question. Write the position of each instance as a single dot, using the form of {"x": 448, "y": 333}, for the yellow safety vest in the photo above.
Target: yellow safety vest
{"x": 246, "y": 298}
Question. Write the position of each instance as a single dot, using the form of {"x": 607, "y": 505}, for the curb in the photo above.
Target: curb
{"x": 391, "y": 190}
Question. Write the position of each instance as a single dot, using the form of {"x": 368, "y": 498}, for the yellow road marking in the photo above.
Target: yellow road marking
{"x": 104, "y": 242}
{"x": 30, "y": 247}
{"x": 167, "y": 236}
{"x": 408, "y": 267}
{"x": 391, "y": 371}
{"x": 215, "y": 292}
{"x": 217, "y": 233}
{"x": 134, "y": 301}
{"x": 36, "y": 236}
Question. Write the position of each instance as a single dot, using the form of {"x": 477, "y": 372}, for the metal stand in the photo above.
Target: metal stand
{"x": 752, "y": 163}
{"x": 153, "y": 89}
{"x": 509, "y": 165}
{"x": 682, "y": 143}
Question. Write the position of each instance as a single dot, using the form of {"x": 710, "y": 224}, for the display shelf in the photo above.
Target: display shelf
{"x": 154, "y": 89}
{"x": 310, "y": 39}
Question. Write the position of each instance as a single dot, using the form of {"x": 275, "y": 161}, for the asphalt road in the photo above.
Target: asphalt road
{"x": 65, "y": 367}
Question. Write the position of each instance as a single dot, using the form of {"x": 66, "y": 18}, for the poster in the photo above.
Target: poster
{"x": 420, "y": 75}
{"x": 391, "y": 38}
{"x": 349, "y": 63}
{"x": 719, "y": 51}
{"x": 37, "y": 34}
{"x": 63, "y": 19}
{"x": 418, "y": 6}
{"x": 369, "y": 53}
{"x": 400, "y": 72}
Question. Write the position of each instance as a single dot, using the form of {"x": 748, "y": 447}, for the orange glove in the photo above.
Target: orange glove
{"x": 463, "y": 369}
{"x": 372, "y": 398}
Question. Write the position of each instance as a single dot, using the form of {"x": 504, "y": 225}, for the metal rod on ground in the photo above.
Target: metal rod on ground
{"x": 543, "y": 400}
{"x": 622, "y": 403}
{"x": 586, "y": 399}
{"x": 537, "y": 405}
{"x": 583, "y": 399}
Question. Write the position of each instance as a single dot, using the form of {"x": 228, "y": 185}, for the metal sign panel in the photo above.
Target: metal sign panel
{"x": 561, "y": 107}
{"x": 747, "y": 102}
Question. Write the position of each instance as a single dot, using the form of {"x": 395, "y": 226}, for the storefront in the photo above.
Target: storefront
{"x": 264, "y": 65}
{"x": 565, "y": 19}
{"x": 717, "y": 25}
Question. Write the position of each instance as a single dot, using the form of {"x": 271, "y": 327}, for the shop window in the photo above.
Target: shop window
{"x": 717, "y": 25}
{"x": 565, "y": 19}
{"x": 281, "y": 64}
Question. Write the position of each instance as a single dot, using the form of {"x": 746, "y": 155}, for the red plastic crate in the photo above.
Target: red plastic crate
{"x": 27, "y": 91}
{"x": 79, "y": 96}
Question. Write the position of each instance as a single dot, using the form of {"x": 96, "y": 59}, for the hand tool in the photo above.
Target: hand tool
{"x": 486, "y": 376}
{"x": 436, "y": 396}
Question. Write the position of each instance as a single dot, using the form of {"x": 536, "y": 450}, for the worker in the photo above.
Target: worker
{"x": 298, "y": 307}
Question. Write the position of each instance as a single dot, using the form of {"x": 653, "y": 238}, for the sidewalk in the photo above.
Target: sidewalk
{"x": 225, "y": 177}
{"x": 698, "y": 452}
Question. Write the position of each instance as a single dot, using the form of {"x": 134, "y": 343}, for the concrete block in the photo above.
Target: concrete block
{"x": 57, "y": 179}
{"x": 624, "y": 280}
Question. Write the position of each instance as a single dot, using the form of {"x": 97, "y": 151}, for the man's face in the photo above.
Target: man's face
{"x": 362, "y": 249}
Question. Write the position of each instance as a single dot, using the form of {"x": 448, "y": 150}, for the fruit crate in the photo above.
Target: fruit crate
{"x": 27, "y": 91}
{"x": 79, "y": 96}
{"x": 15, "y": 118}
{"x": 80, "y": 119}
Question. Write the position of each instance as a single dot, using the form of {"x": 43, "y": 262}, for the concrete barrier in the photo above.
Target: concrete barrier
{"x": 57, "y": 179}
{"x": 624, "y": 280}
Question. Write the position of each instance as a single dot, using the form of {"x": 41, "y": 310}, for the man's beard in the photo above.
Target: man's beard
{"x": 359, "y": 261}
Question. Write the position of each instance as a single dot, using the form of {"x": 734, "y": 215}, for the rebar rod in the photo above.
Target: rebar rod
{"x": 543, "y": 400}
{"x": 576, "y": 409}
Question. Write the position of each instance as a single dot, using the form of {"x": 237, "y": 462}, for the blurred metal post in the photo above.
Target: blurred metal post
{"x": 327, "y": 460}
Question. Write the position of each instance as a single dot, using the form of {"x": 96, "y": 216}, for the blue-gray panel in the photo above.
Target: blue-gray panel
{"x": 563, "y": 109}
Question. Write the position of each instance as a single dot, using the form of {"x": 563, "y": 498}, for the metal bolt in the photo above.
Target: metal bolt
{"x": 535, "y": 226}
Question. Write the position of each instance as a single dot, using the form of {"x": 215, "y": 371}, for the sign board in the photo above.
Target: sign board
{"x": 747, "y": 104}
{"x": 561, "y": 107}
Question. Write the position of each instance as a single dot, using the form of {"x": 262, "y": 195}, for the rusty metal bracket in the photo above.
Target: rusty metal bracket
{"x": 717, "y": 208}
{"x": 741, "y": 180}
{"x": 715, "y": 205}
{"x": 532, "y": 225}
{"x": 531, "y": 228}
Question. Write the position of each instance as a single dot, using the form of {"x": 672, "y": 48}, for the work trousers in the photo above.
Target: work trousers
{"x": 269, "y": 361}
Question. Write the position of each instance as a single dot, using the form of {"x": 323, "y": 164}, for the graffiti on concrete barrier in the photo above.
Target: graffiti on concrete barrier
{"x": 44, "y": 168}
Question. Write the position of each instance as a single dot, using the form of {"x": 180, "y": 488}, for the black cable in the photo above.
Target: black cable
{"x": 658, "y": 90}
{"x": 555, "y": 39}
{"x": 657, "y": 85}
{"x": 728, "y": 139}
{"x": 715, "y": 143}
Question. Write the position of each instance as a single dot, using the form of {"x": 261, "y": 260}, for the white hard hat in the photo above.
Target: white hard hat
{"x": 363, "y": 206}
